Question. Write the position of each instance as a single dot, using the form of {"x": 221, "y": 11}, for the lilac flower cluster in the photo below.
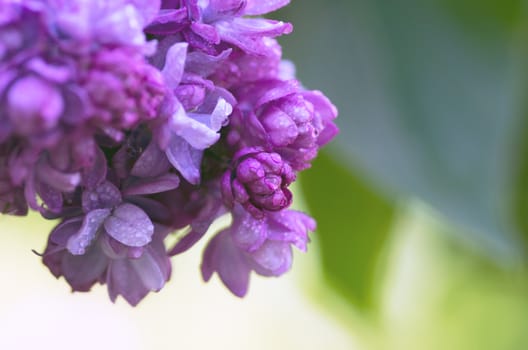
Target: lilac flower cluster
{"x": 128, "y": 120}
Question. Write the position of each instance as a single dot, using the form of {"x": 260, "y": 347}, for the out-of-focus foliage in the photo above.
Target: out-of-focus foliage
{"x": 433, "y": 103}
{"x": 353, "y": 222}
{"x": 439, "y": 294}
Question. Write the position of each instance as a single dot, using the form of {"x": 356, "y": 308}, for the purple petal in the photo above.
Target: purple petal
{"x": 185, "y": 159}
{"x": 168, "y": 21}
{"x": 153, "y": 268}
{"x": 82, "y": 271}
{"x": 206, "y": 31}
{"x": 130, "y": 225}
{"x": 247, "y": 232}
{"x": 290, "y": 226}
{"x": 97, "y": 173}
{"x": 202, "y": 64}
{"x": 64, "y": 182}
{"x": 154, "y": 209}
{"x": 50, "y": 197}
{"x": 187, "y": 242}
{"x": 220, "y": 113}
{"x": 92, "y": 222}
{"x": 158, "y": 184}
{"x": 106, "y": 195}
{"x": 325, "y": 113}
{"x": 222, "y": 8}
{"x": 274, "y": 257}
{"x": 174, "y": 64}
{"x": 248, "y": 33}
{"x": 152, "y": 162}
{"x": 122, "y": 279}
{"x": 222, "y": 256}
{"x": 196, "y": 133}
{"x": 63, "y": 231}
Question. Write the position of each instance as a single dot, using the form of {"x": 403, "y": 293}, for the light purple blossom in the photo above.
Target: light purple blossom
{"x": 260, "y": 245}
{"x": 123, "y": 139}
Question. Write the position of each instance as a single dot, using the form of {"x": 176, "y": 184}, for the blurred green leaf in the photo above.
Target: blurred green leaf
{"x": 353, "y": 224}
{"x": 430, "y": 98}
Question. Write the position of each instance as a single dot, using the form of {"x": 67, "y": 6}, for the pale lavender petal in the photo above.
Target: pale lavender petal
{"x": 223, "y": 257}
{"x": 218, "y": 116}
{"x": 274, "y": 257}
{"x": 247, "y": 232}
{"x": 196, "y": 133}
{"x": 248, "y": 33}
{"x": 78, "y": 243}
{"x": 290, "y": 226}
{"x": 185, "y": 159}
{"x": 153, "y": 268}
{"x": 130, "y": 225}
{"x": 174, "y": 64}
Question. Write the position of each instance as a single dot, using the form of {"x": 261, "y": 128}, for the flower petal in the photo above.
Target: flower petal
{"x": 92, "y": 222}
{"x": 174, "y": 64}
{"x": 185, "y": 159}
{"x": 196, "y": 133}
{"x": 130, "y": 226}
{"x": 152, "y": 162}
{"x": 83, "y": 271}
{"x": 158, "y": 184}
{"x": 222, "y": 256}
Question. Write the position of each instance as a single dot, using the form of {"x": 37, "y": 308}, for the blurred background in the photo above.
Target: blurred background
{"x": 421, "y": 203}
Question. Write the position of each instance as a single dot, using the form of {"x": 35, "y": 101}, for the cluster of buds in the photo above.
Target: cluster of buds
{"x": 128, "y": 120}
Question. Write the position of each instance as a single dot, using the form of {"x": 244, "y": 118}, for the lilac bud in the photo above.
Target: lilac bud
{"x": 258, "y": 181}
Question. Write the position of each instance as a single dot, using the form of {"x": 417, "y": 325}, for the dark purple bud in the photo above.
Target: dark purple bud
{"x": 258, "y": 181}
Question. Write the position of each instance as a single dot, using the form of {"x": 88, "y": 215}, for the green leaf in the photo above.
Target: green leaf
{"x": 430, "y": 94}
{"x": 353, "y": 224}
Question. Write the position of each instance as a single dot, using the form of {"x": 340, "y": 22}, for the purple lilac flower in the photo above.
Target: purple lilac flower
{"x": 125, "y": 139}
{"x": 260, "y": 245}
{"x": 209, "y": 25}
